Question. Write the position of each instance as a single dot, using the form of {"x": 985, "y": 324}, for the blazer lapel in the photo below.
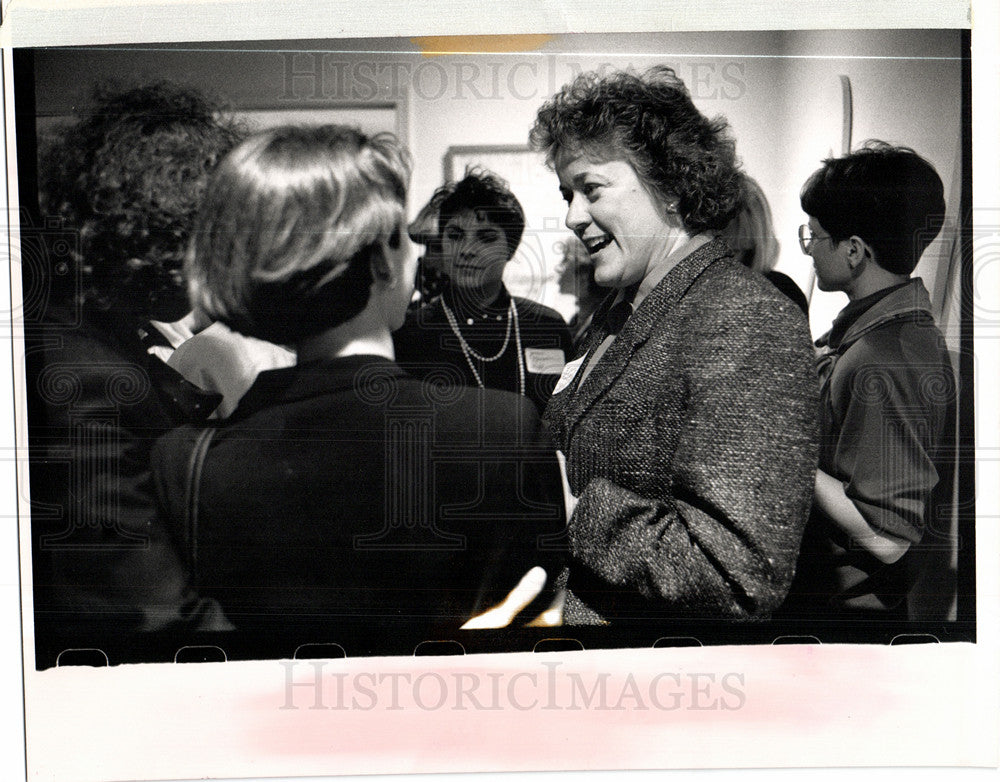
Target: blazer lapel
{"x": 639, "y": 327}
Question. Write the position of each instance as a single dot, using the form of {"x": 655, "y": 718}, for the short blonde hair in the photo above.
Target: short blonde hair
{"x": 292, "y": 227}
{"x": 751, "y": 232}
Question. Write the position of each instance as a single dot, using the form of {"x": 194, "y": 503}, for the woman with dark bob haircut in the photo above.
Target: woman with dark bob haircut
{"x": 342, "y": 489}
{"x": 688, "y": 419}
{"x": 476, "y": 329}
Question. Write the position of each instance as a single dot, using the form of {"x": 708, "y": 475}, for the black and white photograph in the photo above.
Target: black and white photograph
{"x": 236, "y": 443}
{"x": 625, "y": 372}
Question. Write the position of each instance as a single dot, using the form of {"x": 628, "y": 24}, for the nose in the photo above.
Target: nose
{"x": 467, "y": 249}
{"x": 577, "y": 217}
{"x": 456, "y": 247}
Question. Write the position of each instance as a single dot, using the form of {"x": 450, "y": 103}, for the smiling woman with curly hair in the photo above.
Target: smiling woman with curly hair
{"x": 688, "y": 419}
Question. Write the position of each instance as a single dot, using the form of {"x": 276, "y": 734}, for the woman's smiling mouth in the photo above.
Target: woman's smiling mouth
{"x": 595, "y": 244}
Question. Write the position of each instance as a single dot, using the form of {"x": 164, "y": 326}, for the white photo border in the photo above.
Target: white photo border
{"x": 194, "y": 720}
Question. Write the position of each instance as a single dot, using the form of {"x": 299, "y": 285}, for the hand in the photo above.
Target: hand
{"x": 527, "y": 589}
{"x": 832, "y": 499}
{"x": 196, "y": 320}
{"x": 553, "y": 615}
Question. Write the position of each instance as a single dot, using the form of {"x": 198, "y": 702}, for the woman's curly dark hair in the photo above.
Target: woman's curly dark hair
{"x": 129, "y": 175}
{"x": 650, "y": 120}
{"x": 482, "y": 190}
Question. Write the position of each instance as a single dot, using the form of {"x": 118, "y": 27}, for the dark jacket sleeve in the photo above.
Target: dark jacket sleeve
{"x": 529, "y": 498}
{"x": 105, "y": 563}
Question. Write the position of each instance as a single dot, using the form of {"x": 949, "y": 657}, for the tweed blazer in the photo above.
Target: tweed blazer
{"x": 692, "y": 449}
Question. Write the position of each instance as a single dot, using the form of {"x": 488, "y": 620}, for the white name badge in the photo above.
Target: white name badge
{"x": 544, "y": 361}
{"x": 568, "y": 373}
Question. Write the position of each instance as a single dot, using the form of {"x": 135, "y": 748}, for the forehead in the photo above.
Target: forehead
{"x": 471, "y": 220}
{"x": 572, "y": 168}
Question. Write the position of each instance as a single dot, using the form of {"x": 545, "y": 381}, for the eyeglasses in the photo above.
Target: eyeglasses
{"x": 807, "y": 238}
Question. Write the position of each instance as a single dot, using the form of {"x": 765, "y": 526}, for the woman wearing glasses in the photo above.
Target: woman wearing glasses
{"x": 688, "y": 417}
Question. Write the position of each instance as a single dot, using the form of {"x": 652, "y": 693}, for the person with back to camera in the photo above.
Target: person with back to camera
{"x": 688, "y": 418}
{"x": 887, "y": 387}
{"x": 127, "y": 178}
{"x": 341, "y": 487}
{"x": 476, "y": 329}
{"x": 751, "y": 235}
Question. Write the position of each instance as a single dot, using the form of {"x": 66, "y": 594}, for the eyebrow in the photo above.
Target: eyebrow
{"x": 579, "y": 180}
{"x": 481, "y": 231}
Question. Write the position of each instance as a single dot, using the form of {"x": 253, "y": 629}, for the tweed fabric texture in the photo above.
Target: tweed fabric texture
{"x": 692, "y": 447}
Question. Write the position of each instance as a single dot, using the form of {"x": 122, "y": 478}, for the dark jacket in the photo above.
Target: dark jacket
{"x": 347, "y": 488}
{"x": 427, "y": 346}
{"x": 97, "y": 401}
{"x": 887, "y": 402}
{"x": 692, "y": 448}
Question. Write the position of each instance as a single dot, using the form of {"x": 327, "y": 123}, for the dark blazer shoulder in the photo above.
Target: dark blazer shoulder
{"x": 544, "y": 322}
{"x": 171, "y": 452}
{"x": 535, "y": 311}
{"x": 500, "y": 415}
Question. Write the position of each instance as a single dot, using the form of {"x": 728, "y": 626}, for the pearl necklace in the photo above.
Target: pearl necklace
{"x": 469, "y": 353}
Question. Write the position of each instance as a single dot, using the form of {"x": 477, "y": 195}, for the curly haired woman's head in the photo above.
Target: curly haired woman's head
{"x": 483, "y": 192}
{"x": 650, "y": 121}
{"x": 294, "y": 227}
{"x": 129, "y": 175}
